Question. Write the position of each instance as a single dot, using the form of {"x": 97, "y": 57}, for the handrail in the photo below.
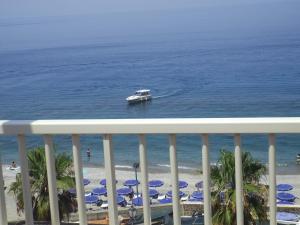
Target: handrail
{"x": 153, "y": 126}
{"x": 109, "y": 127}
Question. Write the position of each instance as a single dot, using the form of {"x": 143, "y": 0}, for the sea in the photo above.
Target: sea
{"x": 190, "y": 75}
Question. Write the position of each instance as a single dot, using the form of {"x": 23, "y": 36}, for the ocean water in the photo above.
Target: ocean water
{"x": 190, "y": 75}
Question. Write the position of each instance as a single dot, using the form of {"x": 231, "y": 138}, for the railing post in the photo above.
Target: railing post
{"x": 174, "y": 176}
{"x": 3, "y": 215}
{"x": 27, "y": 198}
{"x": 51, "y": 174}
{"x": 144, "y": 172}
{"x": 239, "y": 180}
{"x": 272, "y": 179}
{"x": 79, "y": 179}
{"x": 206, "y": 180}
{"x": 110, "y": 179}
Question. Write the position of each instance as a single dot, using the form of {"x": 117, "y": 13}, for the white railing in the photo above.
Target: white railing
{"x": 141, "y": 127}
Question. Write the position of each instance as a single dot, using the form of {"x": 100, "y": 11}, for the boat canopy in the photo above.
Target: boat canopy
{"x": 142, "y": 92}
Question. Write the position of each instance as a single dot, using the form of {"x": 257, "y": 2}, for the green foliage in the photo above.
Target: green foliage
{"x": 39, "y": 184}
{"x": 254, "y": 194}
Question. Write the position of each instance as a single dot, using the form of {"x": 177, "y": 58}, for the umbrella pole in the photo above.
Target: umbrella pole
{"x": 137, "y": 185}
{"x": 136, "y": 166}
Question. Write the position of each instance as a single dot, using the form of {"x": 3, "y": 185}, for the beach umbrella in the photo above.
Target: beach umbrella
{"x": 182, "y": 184}
{"x": 103, "y": 182}
{"x": 197, "y": 195}
{"x": 138, "y": 201}
{"x": 283, "y": 196}
{"x": 99, "y": 191}
{"x": 285, "y": 203}
{"x": 165, "y": 201}
{"x": 199, "y": 185}
{"x": 285, "y": 216}
{"x": 91, "y": 199}
{"x": 121, "y": 201}
{"x": 86, "y": 181}
{"x": 124, "y": 191}
{"x": 72, "y": 191}
{"x": 181, "y": 194}
{"x": 155, "y": 183}
{"x": 131, "y": 183}
{"x": 284, "y": 187}
{"x": 153, "y": 193}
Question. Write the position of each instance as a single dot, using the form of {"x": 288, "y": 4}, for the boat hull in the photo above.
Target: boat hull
{"x": 139, "y": 100}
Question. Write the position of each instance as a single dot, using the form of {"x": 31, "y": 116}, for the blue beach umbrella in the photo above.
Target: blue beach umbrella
{"x": 181, "y": 194}
{"x": 153, "y": 193}
{"x": 165, "y": 201}
{"x": 131, "y": 183}
{"x": 197, "y": 195}
{"x": 86, "y": 181}
{"x": 138, "y": 201}
{"x": 103, "y": 182}
{"x": 72, "y": 191}
{"x": 99, "y": 191}
{"x": 155, "y": 183}
{"x": 182, "y": 184}
{"x": 287, "y": 216}
{"x": 285, "y": 203}
{"x": 91, "y": 199}
{"x": 284, "y": 187}
{"x": 124, "y": 191}
{"x": 284, "y": 196}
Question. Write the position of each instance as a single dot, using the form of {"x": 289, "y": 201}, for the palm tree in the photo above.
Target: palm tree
{"x": 39, "y": 184}
{"x": 223, "y": 197}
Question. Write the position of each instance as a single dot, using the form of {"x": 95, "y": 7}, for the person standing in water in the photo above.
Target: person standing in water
{"x": 88, "y": 154}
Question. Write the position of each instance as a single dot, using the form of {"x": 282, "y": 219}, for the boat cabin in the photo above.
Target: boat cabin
{"x": 142, "y": 92}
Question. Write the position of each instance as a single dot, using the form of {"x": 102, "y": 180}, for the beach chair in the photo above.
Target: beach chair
{"x": 160, "y": 197}
{"x": 104, "y": 205}
{"x": 185, "y": 198}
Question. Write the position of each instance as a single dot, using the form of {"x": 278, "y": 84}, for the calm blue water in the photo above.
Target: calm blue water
{"x": 189, "y": 74}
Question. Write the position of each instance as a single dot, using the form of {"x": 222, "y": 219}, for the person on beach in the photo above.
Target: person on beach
{"x": 88, "y": 153}
{"x": 13, "y": 164}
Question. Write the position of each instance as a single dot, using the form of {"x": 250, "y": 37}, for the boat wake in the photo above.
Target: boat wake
{"x": 170, "y": 94}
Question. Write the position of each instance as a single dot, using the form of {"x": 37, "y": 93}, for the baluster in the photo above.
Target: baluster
{"x": 110, "y": 179}
{"x": 272, "y": 179}
{"x": 174, "y": 175}
{"x": 206, "y": 180}
{"x": 25, "y": 181}
{"x": 144, "y": 172}
{"x": 51, "y": 174}
{"x": 3, "y": 215}
{"x": 239, "y": 180}
{"x": 79, "y": 179}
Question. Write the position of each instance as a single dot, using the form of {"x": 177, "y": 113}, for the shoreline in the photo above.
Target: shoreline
{"x": 281, "y": 169}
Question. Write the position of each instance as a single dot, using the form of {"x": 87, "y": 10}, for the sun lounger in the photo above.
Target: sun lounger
{"x": 185, "y": 198}
{"x": 160, "y": 197}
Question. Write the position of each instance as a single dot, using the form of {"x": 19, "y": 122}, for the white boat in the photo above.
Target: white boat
{"x": 139, "y": 96}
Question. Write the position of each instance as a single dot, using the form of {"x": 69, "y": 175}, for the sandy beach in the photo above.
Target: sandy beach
{"x": 96, "y": 174}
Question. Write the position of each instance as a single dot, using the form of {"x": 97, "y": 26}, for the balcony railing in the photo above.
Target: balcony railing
{"x": 142, "y": 127}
